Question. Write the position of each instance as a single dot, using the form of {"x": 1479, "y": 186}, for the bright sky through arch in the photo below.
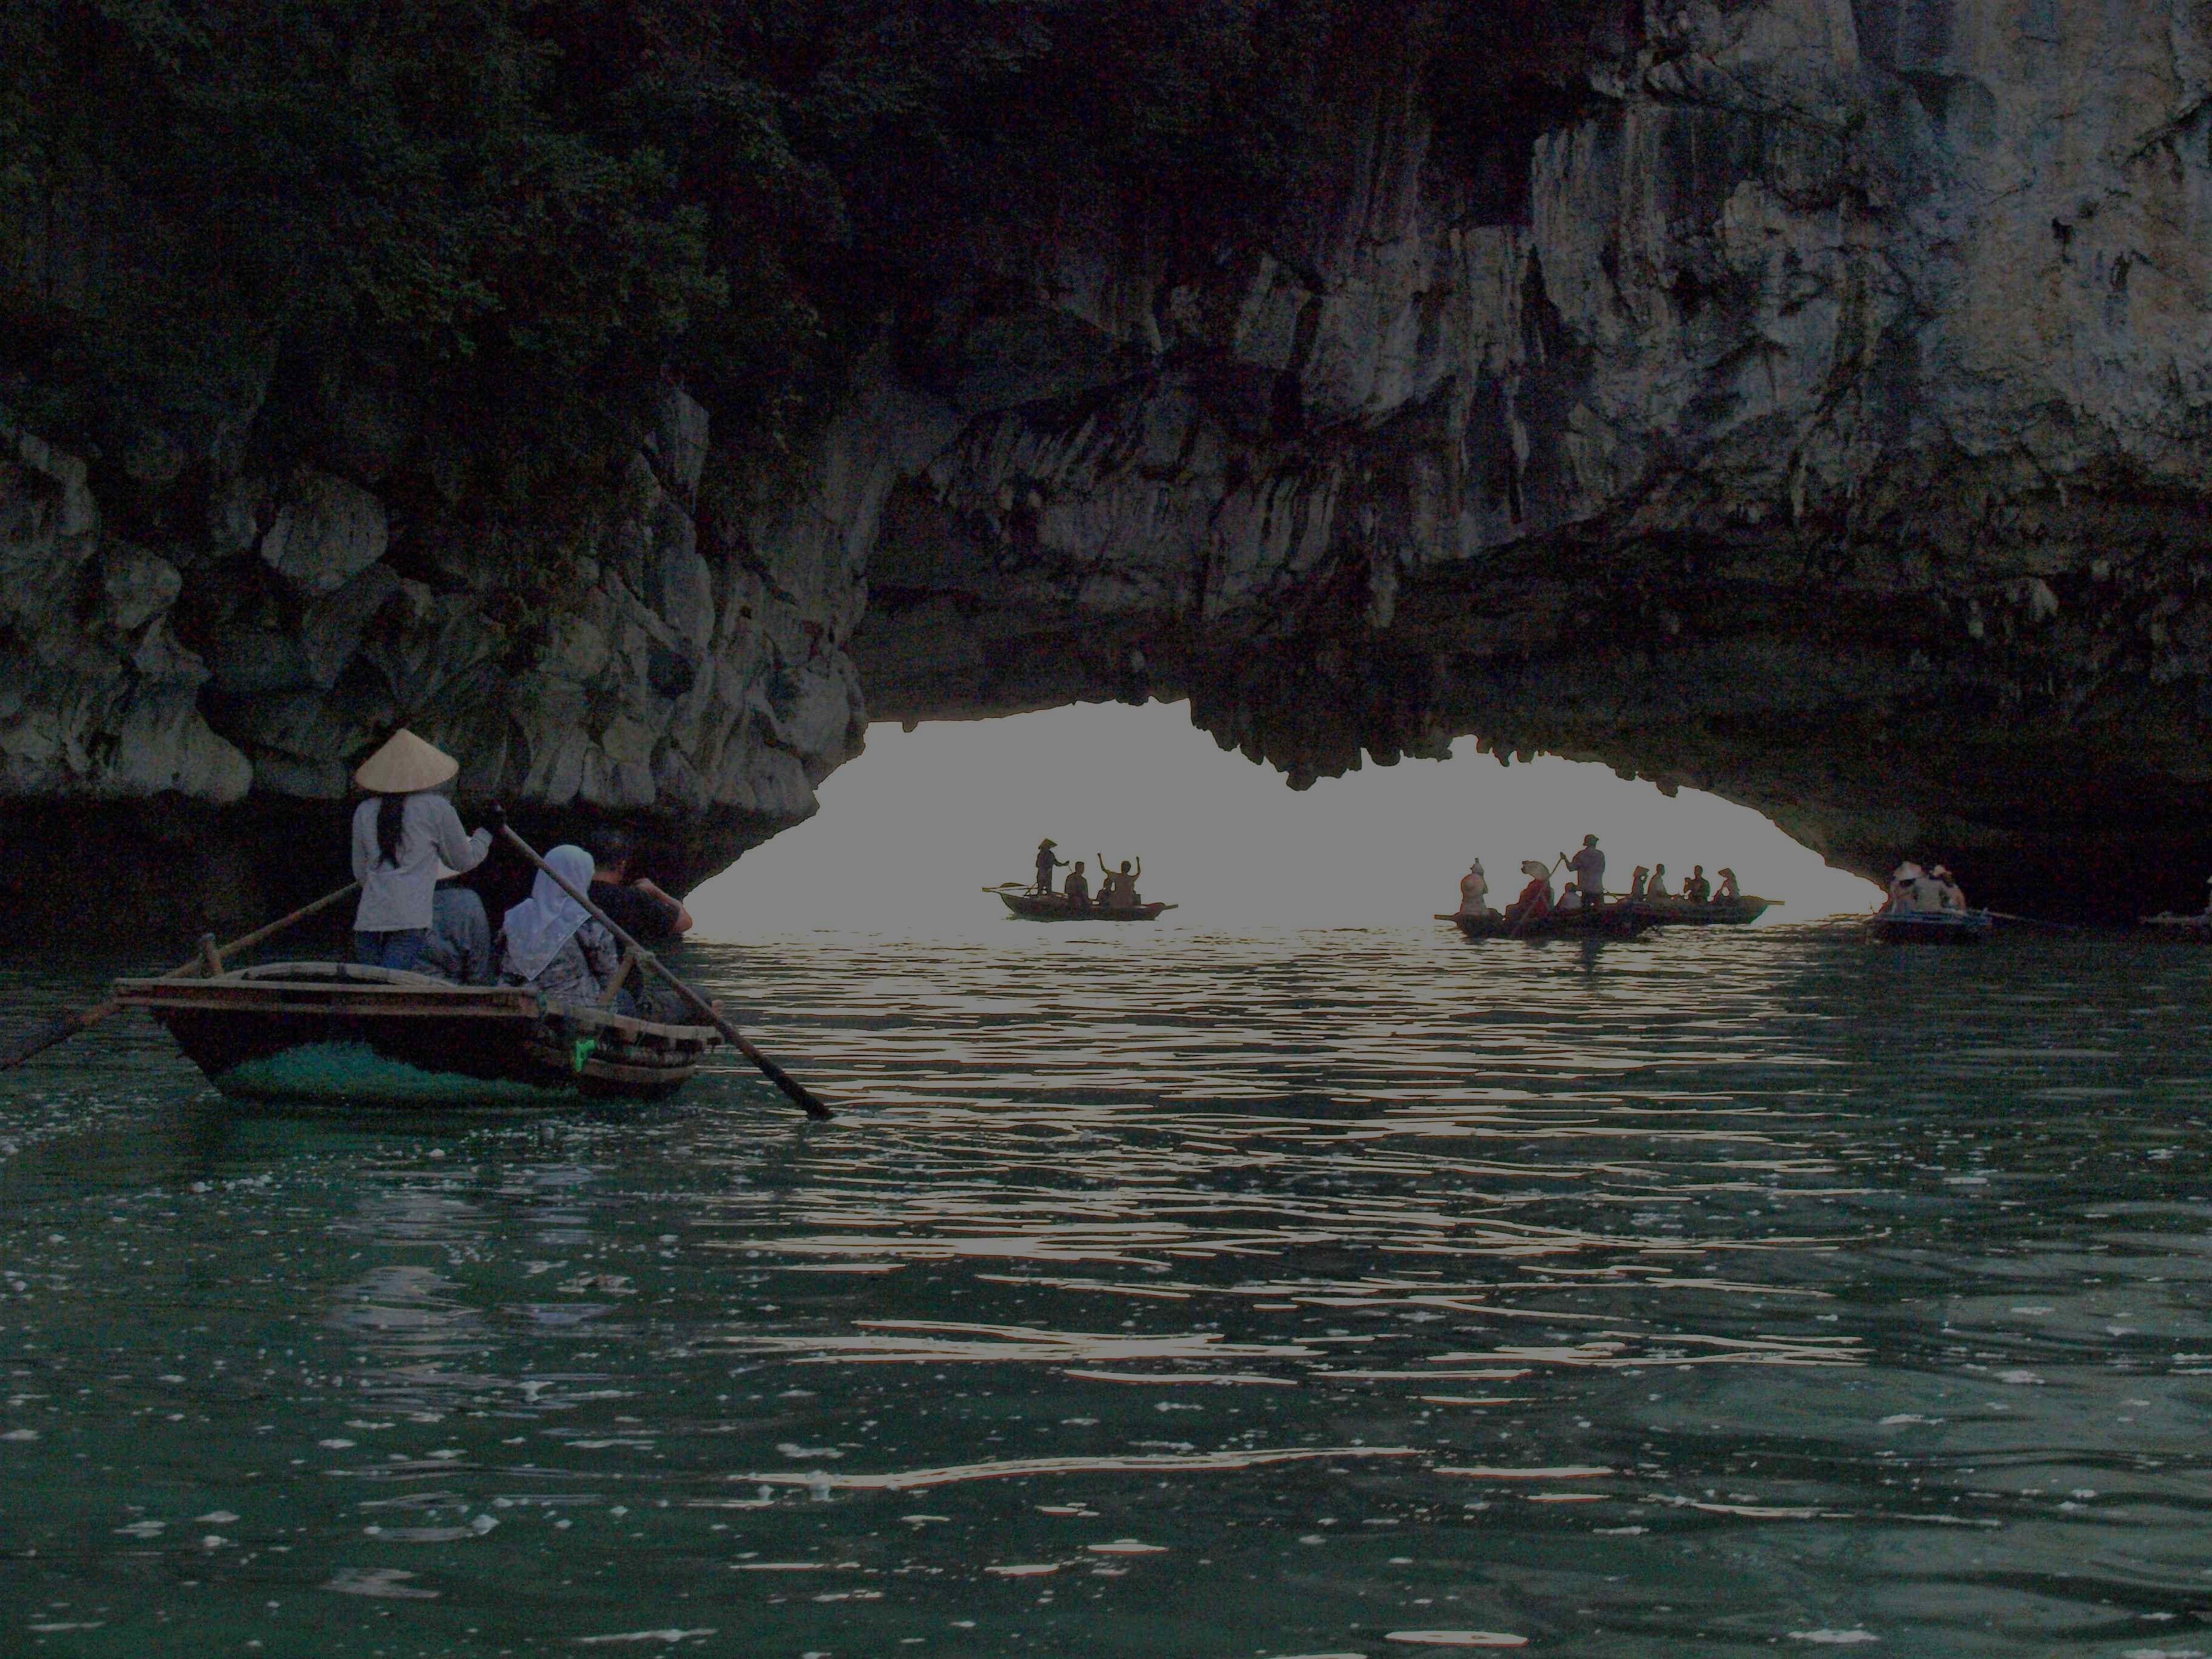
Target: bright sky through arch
{"x": 910, "y": 832}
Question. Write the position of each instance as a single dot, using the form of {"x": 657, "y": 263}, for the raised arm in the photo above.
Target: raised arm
{"x": 460, "y": 850}
{"x": 682, "y": 923}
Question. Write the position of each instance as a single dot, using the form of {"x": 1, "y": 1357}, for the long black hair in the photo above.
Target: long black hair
{"x": 390, "y": 826}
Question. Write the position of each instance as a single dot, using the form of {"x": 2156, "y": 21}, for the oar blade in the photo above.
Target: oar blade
{"x": 60, "y": 1030}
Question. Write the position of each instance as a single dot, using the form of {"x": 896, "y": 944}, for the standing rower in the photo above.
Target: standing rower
{"x": 400, "y": 834}
{"x": 1589, "y": 866}
{"x": 1047, "y": 862}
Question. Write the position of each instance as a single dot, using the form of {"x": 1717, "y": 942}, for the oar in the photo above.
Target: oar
{"x": 737, "y": 1039}
{"x": 2036, "y": 921}
{"x": 1522, "y": 926}
{"x": 61, "y": 1029}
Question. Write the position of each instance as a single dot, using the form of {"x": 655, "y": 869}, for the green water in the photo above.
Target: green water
{"x": 1356, "y": 1293}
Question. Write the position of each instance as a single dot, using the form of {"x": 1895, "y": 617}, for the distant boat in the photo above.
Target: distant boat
{"x": 2186, "y": 930}
{"x": 1622, "y": 918}
{"x": 1709, "y": 913}
{"x": 331, "y": 1033}
{"x": 1033, "y": 906}
{"x": 1612, "y": 921}
{"x": 1931, "y": 927}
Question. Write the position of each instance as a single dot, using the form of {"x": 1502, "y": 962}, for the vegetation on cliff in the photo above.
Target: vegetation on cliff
{"x": 493, "y": 221}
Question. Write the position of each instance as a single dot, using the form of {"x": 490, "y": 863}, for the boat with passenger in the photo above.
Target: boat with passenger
{"x": 341, "y": 1033}
{"x": 1033, "y": 906}
{"x": 1926, "y": 907}
{"x": 1931, "y": 927}
{"x": 1620, "y": 920}
{"x": 1701, "y": 913}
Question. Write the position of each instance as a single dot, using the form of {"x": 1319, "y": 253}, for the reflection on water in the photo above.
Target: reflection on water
{"x": 1333, "y": 1294}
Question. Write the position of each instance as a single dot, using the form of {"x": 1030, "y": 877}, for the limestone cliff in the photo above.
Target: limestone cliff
{"x": 1800, "y": 399}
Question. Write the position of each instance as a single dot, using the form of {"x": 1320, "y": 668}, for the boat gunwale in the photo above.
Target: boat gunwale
{"x": 342, "y": 998}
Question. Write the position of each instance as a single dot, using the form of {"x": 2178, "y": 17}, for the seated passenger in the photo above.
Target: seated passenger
{"x": 550, "y": 943}
{"x": 1571, "y": 897}
{"x": 1728, "y": 887}
{"x": 459, "y": 946}
{"x": 1697, "y": 889}
{"x": 1950, "y": 895}
{"x": 1118, "y": 890}
{"x": 1077, "y": 887}
{"x": 1657, "y": 889}
{"x": 638, "y": 907}
{"x": 1914, "y": 891}
{"x": 1637, "y": 883}
{"x": 1535, "y": 901}
{"x": 1475, "y": 892}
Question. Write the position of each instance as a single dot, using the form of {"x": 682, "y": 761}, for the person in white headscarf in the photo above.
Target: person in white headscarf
{"x": 401, "y": 835}
{"x": 1475, "y": 892}
{"x": 550, "y": 943}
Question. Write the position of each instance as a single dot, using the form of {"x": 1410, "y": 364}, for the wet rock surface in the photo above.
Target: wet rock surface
{"x": 1804, "y": 400}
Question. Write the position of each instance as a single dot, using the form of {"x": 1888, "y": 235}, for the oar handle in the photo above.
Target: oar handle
{"x": 775, "y": 1073}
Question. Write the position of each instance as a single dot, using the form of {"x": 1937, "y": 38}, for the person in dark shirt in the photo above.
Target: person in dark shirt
{"x": 1077, "y": 887}
{"x": 1698, "y": 889}
{"x": 1589, "y": 866}
{"x": 638, "y": 907}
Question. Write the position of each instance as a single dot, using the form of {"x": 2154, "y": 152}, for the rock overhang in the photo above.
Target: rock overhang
{"x": 1775, "y": 398}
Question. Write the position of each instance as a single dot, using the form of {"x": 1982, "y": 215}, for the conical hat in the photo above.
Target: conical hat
{"x": 405, "y": 765}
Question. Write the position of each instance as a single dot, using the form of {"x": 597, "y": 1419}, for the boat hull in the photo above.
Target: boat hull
{"x": 2182, "y": 930}
{"x": 1038, "y": 907}
{"x": 1933, "y": 927}
{"x": 1689, "y": 913}
{"x": 1614, "y": 921}
{"x": 365, "y": 1037}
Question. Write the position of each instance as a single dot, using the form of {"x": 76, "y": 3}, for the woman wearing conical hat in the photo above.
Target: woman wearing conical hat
{"x": 1047, "y": 862}
{"x": 400, "y": 833}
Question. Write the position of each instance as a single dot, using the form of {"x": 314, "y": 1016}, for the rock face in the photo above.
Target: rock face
{"x": 178, "y": 725}
{"x": 1806, "y": 400}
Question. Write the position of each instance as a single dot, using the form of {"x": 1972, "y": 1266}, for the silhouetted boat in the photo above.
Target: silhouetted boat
{"x": 1612, "y": 921}
{"x": 1053, "y": 907}
{"x": 1931, "y": 927}
{"x": 2185, "y": 930}
{"x": 331, "y": 1033}
{"x": 1711, "y": 913}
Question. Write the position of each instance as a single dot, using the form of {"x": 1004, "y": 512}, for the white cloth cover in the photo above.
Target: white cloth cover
{"x": 538, "y": 927}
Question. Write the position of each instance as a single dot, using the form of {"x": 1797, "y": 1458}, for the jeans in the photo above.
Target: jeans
{"x": 400, "y": 950}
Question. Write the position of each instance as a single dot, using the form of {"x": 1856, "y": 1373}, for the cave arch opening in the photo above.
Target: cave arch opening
{"x": 909, "y": 832}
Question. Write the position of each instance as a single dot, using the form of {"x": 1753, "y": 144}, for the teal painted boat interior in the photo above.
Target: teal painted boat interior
{"x": 355, "y": 1074}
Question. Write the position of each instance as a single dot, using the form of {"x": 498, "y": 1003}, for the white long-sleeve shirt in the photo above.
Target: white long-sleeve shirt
{"x": 398, "y": 896}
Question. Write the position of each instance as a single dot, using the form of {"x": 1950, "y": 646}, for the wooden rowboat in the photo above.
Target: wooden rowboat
{"x": 1055, "y": 907}
{"x": 1931, "y": 927}
{"x": 2184, "y": 930}
{"x": 1711, "y": 913}
{"x": 1612, "y": 921}
{"x": 329, "y": 1033}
